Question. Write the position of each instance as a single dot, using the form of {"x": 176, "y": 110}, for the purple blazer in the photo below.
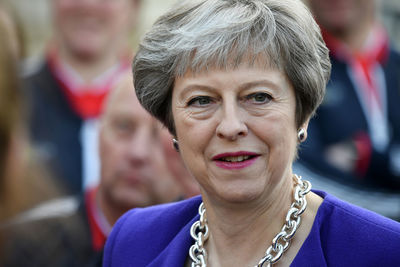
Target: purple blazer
{"x": 342, "y": 235}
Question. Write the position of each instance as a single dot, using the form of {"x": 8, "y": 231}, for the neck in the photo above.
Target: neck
{"x": 91, "y": 66}
{"x": 246, "y": 231}
{"x": 111, "y": 212}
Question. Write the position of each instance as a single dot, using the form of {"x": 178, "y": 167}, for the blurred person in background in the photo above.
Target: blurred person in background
{"x": 11, "y": 134}
{"x": 87, "y": 56}
{"x": 72, "y": 231}
{"x": 355, "y": 136}
{"x": 23, "y": 180}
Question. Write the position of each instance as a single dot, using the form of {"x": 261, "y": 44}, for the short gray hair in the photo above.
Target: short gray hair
{"x": 198, "y": 34}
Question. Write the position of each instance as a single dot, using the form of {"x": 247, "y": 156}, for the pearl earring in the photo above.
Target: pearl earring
{"x": 175, "y": 144}
{"x": 301, "y": 135}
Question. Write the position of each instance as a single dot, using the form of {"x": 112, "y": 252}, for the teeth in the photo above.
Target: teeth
{"x": 236, "y": 159}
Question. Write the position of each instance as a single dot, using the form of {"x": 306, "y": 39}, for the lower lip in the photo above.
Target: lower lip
{"x": 235, "y": 165}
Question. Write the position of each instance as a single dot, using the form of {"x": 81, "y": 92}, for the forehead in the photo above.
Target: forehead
{"x": 93, "y": 3}
{"x": 233, "y": 62}
{"x": 123, "y": 101}
{"x": 96, "y": 1}
{"x": 260, "y": 63}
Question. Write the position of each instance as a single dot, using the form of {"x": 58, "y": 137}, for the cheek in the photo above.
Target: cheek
{"x": 105, "y": 157}
{"x": 108, "y": 148}
{"x": 194, "y": 138}
{"x": 117, "y": 17}
{"x": 278, "y": 132}
{"x": 64, "y": 10}
{"x": 193, "y": 134}
{"x": 60, "y": 6}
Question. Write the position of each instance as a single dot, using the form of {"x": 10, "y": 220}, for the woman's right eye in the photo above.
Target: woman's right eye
{"x": 200, "y": 101}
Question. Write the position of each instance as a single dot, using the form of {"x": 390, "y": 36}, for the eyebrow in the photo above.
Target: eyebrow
{"x": 263, "y": 82}
{"x": 193, "y": 87}
{"x": 244, "y": 86}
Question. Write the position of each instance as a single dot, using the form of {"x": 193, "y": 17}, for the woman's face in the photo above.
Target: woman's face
{"x": 236, "y": 130}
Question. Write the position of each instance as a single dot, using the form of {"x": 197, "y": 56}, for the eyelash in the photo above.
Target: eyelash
{"x": 199, "y": 98}
{"x": 267, "y": 97}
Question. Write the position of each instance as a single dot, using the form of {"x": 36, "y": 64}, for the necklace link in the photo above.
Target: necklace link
{"x": 200, "y": 233}
{"x": 281, "y": 242}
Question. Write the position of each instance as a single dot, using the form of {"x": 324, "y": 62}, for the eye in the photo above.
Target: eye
{"x": 259, "y": 98}
{"x": 123, "y": 127}
{"x": 200, "y": 101}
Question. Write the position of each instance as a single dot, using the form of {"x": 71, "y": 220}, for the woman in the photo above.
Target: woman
{"x": 236, "y": 82}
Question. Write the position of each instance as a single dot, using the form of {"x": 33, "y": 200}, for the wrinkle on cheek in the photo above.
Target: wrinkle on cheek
{"x": 183, "y": 115}
{"x": 284, "y": 112}
{"x": 188, "y": 117}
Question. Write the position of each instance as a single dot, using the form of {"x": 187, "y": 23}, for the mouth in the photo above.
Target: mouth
{"x": 235, "y": 160}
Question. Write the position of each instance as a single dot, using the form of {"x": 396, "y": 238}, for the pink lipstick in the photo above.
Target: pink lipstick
{"x": 235, "y": 160}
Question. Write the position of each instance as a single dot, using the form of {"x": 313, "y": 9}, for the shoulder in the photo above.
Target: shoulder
{"x": 39, "y": 78}
{"x": 52, "y": 219}
{"x": 52, "y": 233}
{"x": 339, "y": 211}
{"x": 32, "y": 71}
{"x": 148, "y": 230}
{"x": 169, "y": 215}
{"x": 394, "y": 54}
{"x": 391, "y": 65}
{"x": 356, "y": 234}
{"x": 63, "y": 207}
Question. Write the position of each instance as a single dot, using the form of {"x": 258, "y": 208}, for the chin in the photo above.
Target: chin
{"x": 239, "y": 195}
{"x": 86, "y": 49}
{"x": 129, "y": 199}
{"x": 130, "y": 203}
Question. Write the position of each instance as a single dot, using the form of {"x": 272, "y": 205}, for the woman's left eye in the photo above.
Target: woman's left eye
{"x": 259, "y": 98}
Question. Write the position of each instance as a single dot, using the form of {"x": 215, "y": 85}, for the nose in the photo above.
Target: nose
{"x": 139, "y": 148}
{"x": 231, "y": 125}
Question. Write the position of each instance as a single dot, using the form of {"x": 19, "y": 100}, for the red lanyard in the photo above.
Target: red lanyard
{"x": 87, "y": 100}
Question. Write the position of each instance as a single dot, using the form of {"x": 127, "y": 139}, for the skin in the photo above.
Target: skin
{"x": 91, "y": 34}
{"x": 133, "y": 169}
{"x": 177, "y": 168}
{"x": 348, "y": 20}
{"x": 245, "y": 109}
{"x": 232, "y": 121}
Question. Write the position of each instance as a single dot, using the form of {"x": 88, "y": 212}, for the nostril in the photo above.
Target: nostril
{"x": 231, "y": 131}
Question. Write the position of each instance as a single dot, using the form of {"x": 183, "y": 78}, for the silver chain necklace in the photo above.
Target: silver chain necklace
{"x": 280, "y": 243}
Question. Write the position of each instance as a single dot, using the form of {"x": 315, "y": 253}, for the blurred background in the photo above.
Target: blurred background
{"x": 36, "y": 22}
{"x": 34, "y": 16}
